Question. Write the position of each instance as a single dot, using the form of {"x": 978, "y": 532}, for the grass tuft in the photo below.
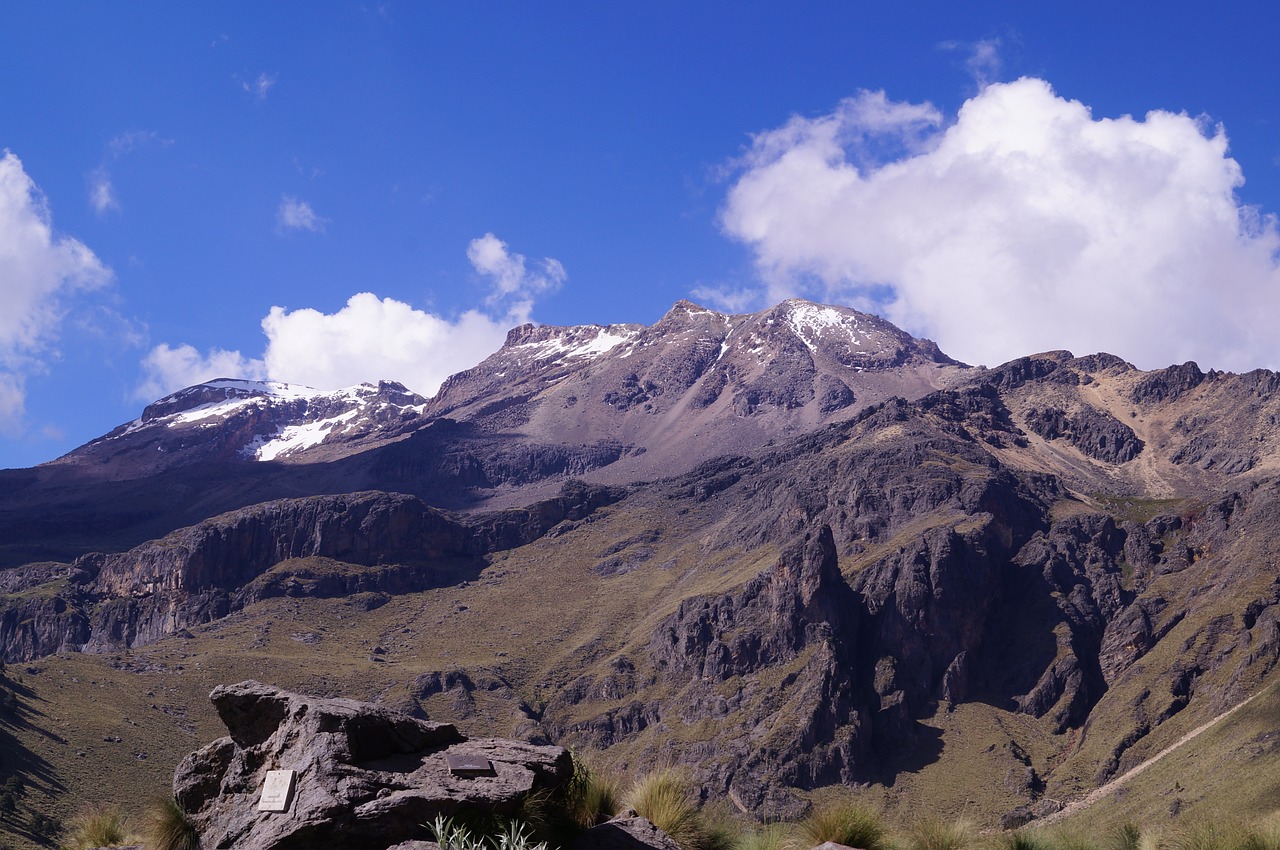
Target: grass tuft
{"x": 591, "y": 798}
{"x": 97, "y": 826}
{"x": 166, "y": 827}
{"x": 665, "y": 798}
{"x": 1127, "y": 836}
{"x": 930, "y": 833}
{"x": 769, "y": 836}
{"x": 1023, "y": 839}
{"x": 845, "y": 823}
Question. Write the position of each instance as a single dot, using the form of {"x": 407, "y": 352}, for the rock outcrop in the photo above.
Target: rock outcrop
{"x": 376, "y": 542}
{"x": 367, "y": 778}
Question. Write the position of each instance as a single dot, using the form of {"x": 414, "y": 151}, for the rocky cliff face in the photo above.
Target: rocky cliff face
{"x": 196, "y": 575}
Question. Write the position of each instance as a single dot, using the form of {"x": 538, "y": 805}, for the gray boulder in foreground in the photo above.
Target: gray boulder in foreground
{"x": 368, "y": 777}
{"x": 628, "y": 831}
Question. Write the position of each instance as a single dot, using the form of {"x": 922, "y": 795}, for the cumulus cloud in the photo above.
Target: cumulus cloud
{"x": 294, "y": 214}
{"x": 40, "y": 270}
{"x": 514, "y": 284}
{"x": 166, "y": 369}
{"x": 371, "y": 338}
{"x": 1022, "y": 225}
{"x": 374, "y": 339}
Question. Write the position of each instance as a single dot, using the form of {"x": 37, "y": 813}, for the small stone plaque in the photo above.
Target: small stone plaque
{"x": 467, "y": 765}
{"x": 277, "y": 791}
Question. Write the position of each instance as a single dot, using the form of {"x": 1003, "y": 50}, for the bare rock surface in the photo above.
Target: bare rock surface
{"x": 368, "y": 777}
{"x": 628, "y": 831}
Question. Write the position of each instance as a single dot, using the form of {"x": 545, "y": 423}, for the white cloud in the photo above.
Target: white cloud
{"x": 294, "y": 214}
{"x": 1026, "y": 224}
{"x": 984, "y": 62}
{"x": 374, "y": 339}
{"x": 513, "y": 283}
{"x": 371, "y": 338}
{"x": 132, "y": 140}
{"x": 259, "y": 87}
{"x": 167, "y": 369}
{"x": 102, "y": 194}
{"x": 727, "y": 300}
{"x": 39, "y": 271}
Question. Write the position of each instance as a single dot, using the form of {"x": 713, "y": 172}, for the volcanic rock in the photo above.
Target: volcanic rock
{"x": 367, "y": 777}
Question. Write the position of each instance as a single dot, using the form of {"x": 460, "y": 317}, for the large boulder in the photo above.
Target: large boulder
{"x": 367, "y": 777}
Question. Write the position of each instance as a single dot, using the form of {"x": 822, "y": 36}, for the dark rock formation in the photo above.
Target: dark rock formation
{"x": 1094, "y": 432}
{"x": 367, "y": 777}
{"x": 628, "y": 831}
{"x": 202, "y": 573}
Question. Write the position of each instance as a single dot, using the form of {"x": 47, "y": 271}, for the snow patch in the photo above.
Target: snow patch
{"x": 295, "y": 438}
{"x": 810, "y": 321}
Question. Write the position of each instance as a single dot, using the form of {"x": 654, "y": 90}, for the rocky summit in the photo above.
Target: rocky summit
{"x": 785, "y": 551}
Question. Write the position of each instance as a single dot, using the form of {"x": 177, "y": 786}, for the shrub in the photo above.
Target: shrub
{"x": 166, "y": 827}
{"x": 845, "y": 823}
{"x": 97, "y": 826}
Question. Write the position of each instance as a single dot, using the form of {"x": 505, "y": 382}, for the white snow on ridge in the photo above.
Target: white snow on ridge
{"x": 295, "y": 438}
{"x": 808, "y": 321}
{"x": 276, "y": 389}
{"x": 604, "y": 341}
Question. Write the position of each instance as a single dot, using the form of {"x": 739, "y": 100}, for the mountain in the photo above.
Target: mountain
{"x": 790, "y": 549}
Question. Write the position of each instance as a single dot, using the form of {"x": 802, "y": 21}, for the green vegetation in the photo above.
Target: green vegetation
{"x": 845, "y": 823}
{"x": 514, "y": 835}
{"x": 1141, "y": 511}
{"x": 591, "y": 798}
{"x": 931, "y": 833}
{"x": 165, "y": 827}
{"x": 666, "y": 798}
{"x": 97, "y": 826}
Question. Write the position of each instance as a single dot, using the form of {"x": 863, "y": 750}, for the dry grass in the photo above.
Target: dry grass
{"x": 666, "y": 798}
{"x": 97, "y": 825}
{"x": 930, "y": 833}
{"x": 166, "y": 827}
{"x": 845, "y": 823}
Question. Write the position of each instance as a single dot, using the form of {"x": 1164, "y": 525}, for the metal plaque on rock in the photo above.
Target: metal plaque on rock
{"x": 468, "y": 765}
{"x": 277, "y": 791}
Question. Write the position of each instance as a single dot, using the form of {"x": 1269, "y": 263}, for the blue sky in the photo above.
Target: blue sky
{"x": 176, "y": 174}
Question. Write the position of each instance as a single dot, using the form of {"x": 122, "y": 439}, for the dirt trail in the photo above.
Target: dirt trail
{"x": 1103, "y": 790}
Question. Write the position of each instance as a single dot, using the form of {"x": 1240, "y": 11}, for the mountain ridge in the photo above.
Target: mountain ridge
{"x": 712, "y": 555}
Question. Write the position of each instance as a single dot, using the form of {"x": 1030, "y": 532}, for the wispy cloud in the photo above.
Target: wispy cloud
{"x": 984, "y": 61}
{"x": 1024, "y": 224}
{"x": 260, "y": 86}
{"x": 134, "y": 139}
{"x": 294, "y": 214}
{"x": 102, "y": 194}
{"x": 728, "y": 299}
{"x": 41, "y": 271}
{"x": 513, "y": 283}
{"x": 102, "y": 191}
